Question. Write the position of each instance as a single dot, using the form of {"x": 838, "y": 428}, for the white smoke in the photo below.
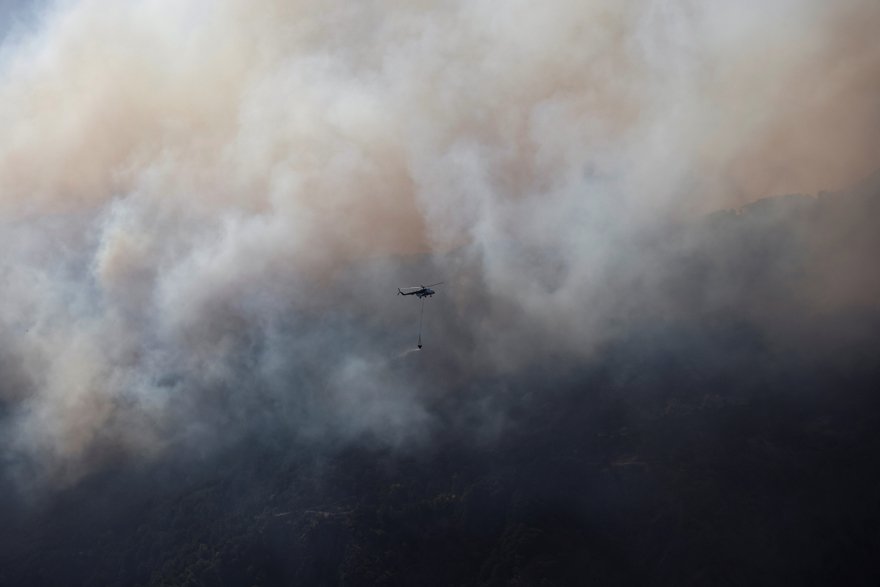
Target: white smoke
{"x": 177, "y": 179}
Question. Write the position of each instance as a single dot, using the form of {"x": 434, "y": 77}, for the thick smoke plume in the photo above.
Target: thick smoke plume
{"x": 206, "y": 207}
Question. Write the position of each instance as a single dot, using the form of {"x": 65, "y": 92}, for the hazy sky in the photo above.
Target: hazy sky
{"x": 185, "y": 188}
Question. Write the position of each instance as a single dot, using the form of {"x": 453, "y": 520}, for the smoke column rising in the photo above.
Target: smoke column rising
{"x": 185, "y": 189}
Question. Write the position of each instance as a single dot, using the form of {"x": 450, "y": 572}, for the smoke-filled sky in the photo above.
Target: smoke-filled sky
{"x": 207, "y": 206}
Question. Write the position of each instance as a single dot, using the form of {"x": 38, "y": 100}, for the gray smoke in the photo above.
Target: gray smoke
{"x": 206, "y": 207}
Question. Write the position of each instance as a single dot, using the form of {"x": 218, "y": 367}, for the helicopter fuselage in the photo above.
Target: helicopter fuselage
{"x": 425, "y": 292}
{"x": 420, "y": 293}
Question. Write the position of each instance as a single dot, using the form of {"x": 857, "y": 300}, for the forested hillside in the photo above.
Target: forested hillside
{"x": 729, "y": 438}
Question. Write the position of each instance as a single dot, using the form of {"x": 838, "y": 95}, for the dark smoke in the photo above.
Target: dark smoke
{"x": 206, "y": 209}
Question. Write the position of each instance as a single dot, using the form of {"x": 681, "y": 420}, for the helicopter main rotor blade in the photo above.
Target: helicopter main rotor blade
{"x": 433, "y": 284}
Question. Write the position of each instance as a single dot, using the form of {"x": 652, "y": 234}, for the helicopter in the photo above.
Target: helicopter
{"x": 420, "y": 291}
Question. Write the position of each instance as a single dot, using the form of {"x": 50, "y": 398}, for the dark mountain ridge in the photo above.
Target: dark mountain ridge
{"x": 725, "y": 435}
